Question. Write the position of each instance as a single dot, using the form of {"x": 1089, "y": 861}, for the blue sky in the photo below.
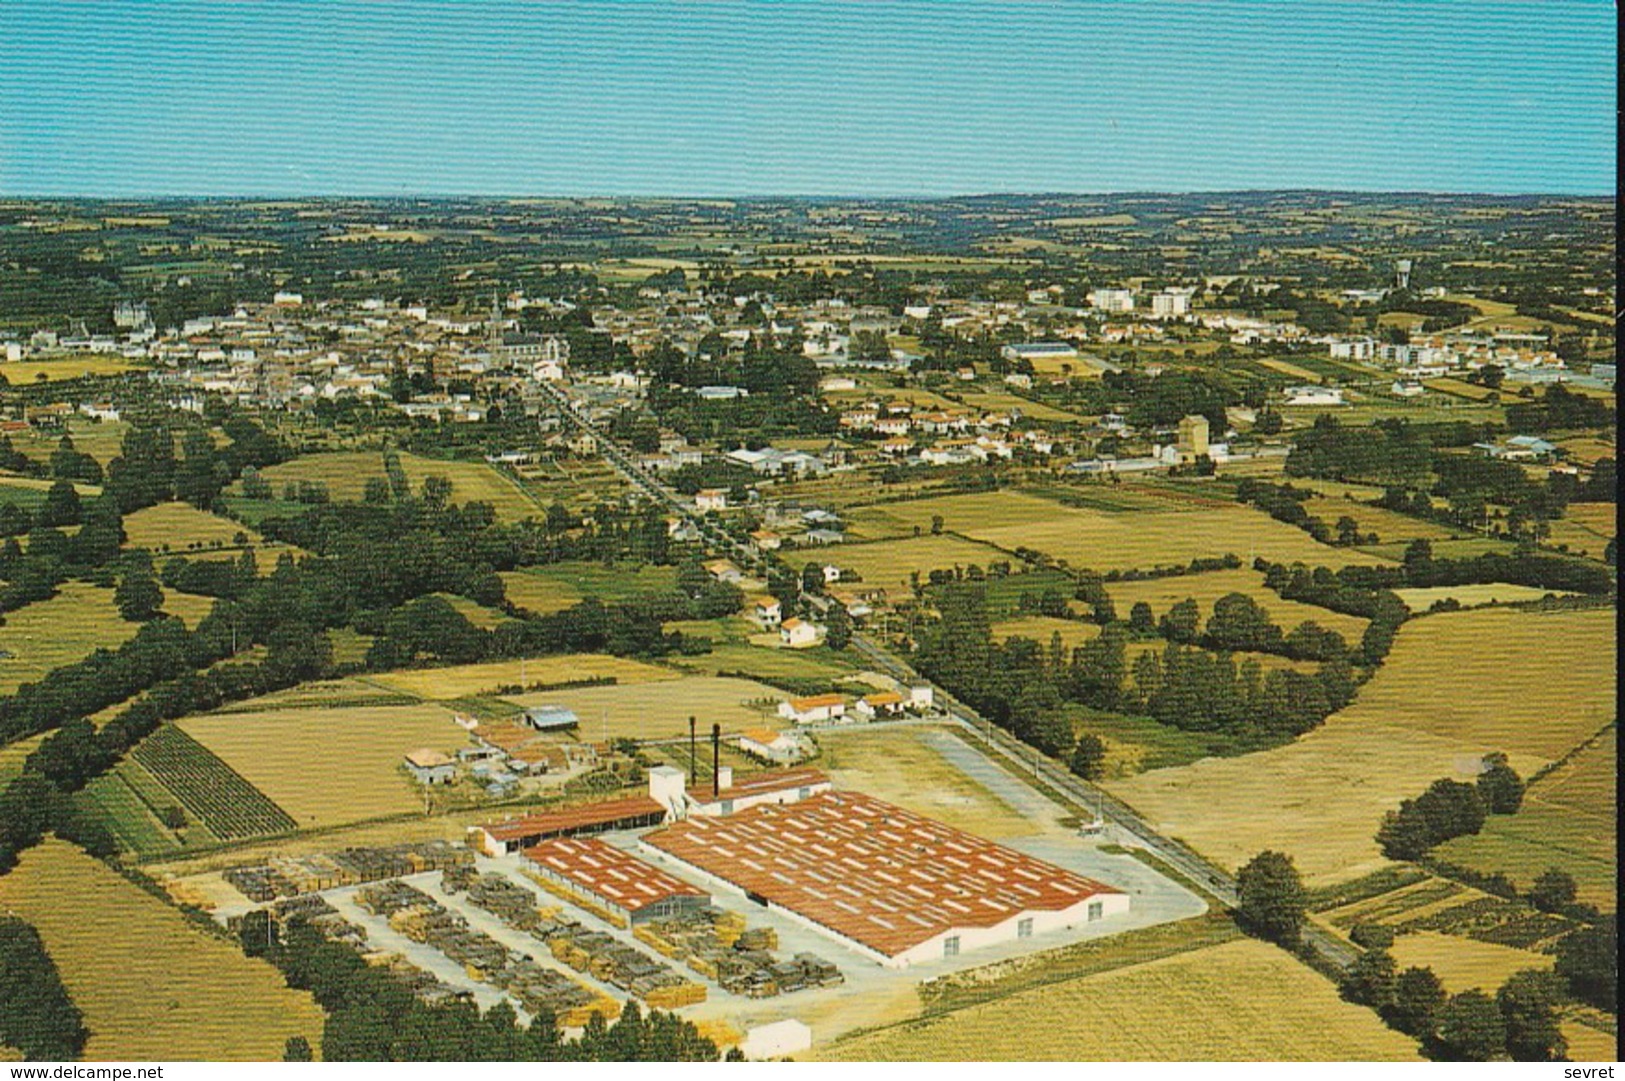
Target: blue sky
{"x": 834, "y": 98}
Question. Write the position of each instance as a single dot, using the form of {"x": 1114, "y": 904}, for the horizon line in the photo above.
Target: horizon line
{"x": 673, "y": 196}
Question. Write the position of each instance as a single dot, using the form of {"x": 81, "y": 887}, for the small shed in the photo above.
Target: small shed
{"x": 430, "y": 767}
{"x": 549, "y": 718}
{"x": 777, "y": 1040}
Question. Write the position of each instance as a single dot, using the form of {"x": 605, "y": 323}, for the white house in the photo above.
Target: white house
{"x": 799, "y": 634}
{"x": 783, "y": 748}
{"x": 708, "y": 499}
{"x": 880, "y": 705}
{"x": 766, "y": 611}
{"x": 813, "y": 709}
{"x": 1313, "y": 395}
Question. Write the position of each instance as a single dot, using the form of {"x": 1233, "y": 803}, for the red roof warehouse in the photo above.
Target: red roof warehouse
{"x": 899, "y": 886}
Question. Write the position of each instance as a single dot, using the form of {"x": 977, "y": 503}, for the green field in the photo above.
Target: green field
{"x": 67, "y": 628}
{"x": 554, "y": 587}
{"x": 345, "y": 474}
{"x": 1102, "y": 540}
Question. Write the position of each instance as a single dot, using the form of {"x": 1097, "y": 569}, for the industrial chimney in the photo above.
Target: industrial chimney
{"x": 716, "y": 760}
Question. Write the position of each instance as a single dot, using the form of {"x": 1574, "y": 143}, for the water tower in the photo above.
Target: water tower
{"x": 1402, "y": 274}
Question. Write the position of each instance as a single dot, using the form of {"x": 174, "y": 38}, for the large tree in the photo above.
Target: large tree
{"x": 1529, "y": 1002}
{"x": 1471, "y": 1029}
{"x": 1272, "y": 898}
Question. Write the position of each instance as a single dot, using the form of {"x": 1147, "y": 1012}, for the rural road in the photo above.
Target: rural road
{"x": 991, "y": 740}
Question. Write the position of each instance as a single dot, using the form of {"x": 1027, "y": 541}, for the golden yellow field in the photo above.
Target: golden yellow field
{"x": 1590, "y": 1044}
{"x": 1074, "y": 632}
{"x": 1455, "y": 687}
{"x": 459, "y": 681}
{"x": 13, "y": 755}
{"x": 26, "y": 372}
{"x": 1107, "y": 540}
{"x": 1288, "y": 368}
{"x": 901, "y": 765}
{"x": 888, "y": 563}
{"x": 189, "y": 607}
{"x": 543, "y": 596}
{"x": 151, "y": 986}
{"x": 68, "y": 627}
{"x": 326, "y": 767}
{"x": 1239, "y": 1001}
{"x": 1463, "y": 963}
{"x": 1569, "y": 820}
{"x": 346, "y": 474}
{"x": 1004, "y": 401}
{"x": 179, "y": 527}
{"x": 1386, "y": 524}
{"x": 1421, "y": 598}
{"x": 1163, "y": 593}
{"x": 1532, "y": 684}
{"x": 1597, "y": 517}
{"x": 655, "y": 710}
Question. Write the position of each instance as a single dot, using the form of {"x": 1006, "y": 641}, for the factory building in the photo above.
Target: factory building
{"x": 890, "y": 884}
{"x": 514, "y": 834}
{"x": 629, "y": 889}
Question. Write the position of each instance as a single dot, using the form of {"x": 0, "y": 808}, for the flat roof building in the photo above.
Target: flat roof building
{"x": 891, "y": 884}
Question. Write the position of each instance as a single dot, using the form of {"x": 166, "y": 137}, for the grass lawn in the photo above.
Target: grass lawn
{"x": 68, "y": 627}
{"x": 1454, "y": 687}
{"x": 758, "y": 662}
{"x": 900, "y": 766}
{"x": 1137, "y": 744}
{"x": 326, "y": 767}
{"x": 152, "y": 987}
{"x": 1241, "y": 1001}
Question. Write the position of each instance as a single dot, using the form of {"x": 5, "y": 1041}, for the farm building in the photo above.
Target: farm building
{"x": 430, "y": 767}
{"x": 813, "y": 709}
{"x": 890, "y": 884}
{"x": 514, "y": 834}
{"x": 549, "y": 718}
{"x": 766, "y": 611}
{"x": 880, "y": 705}
{"x": 668, "y": 786}
{"x": 798, "y": 633}
{"x": 724, "y": 570}
{"x": 764, "y": 743}
{"x": 623, "y": 885}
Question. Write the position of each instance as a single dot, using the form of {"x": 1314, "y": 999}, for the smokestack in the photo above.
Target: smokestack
{"x": 716, "y": 760}
{"x": 693, "y": 752}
